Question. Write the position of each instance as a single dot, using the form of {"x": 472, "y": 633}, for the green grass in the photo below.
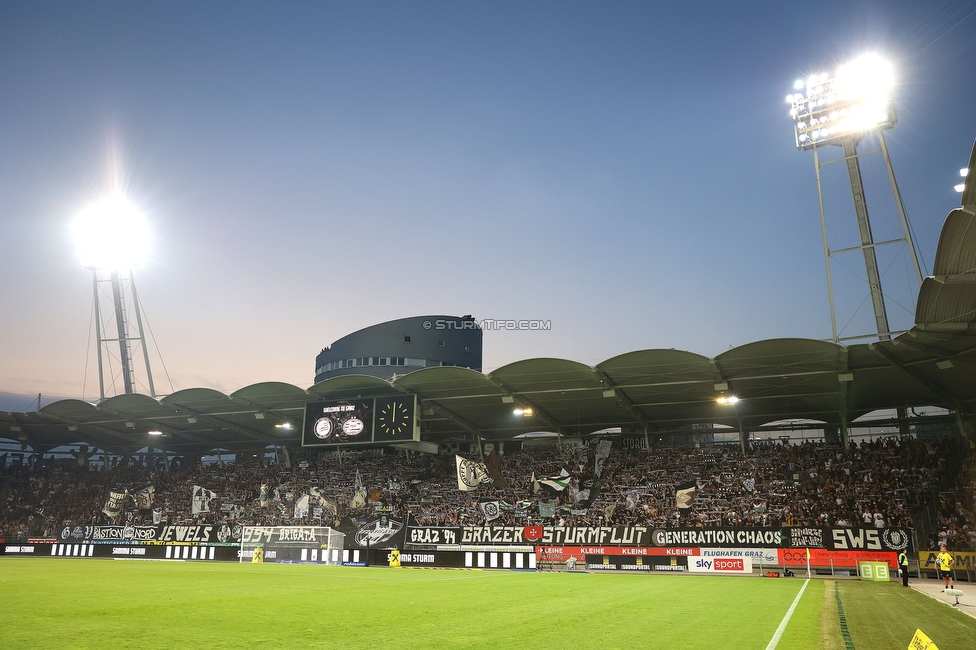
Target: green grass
{"x": 118, "y": 604}
{"x": 886, "y": 615}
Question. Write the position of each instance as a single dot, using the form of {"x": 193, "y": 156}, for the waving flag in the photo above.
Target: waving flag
{"x": 490, "y": 509}
{"x": 684, "y": 495}
{"x": 301, "y": 507}
{"x": 494, "y": 470}
{"x": 115, "y": 502}
{"x": 556, "y": 483}
{"x": 144, "y": 497}
{"x": 359, "y": 498}
{"x": 470, "y": 474}
{"x": 201, "y": 499}
{"x": 600, "y": 457}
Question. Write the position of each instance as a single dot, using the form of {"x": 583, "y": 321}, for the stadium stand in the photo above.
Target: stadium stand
{"x": 877, "y": 484}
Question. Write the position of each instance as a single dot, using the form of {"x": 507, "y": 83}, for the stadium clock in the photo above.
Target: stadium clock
{"x": 394, "y": 418}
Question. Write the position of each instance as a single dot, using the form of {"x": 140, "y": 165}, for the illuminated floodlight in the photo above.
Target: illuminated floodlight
{"x": 284, "y": 425}
{"x": 728, "y": 400}
{"x": 155, "y": 433}
{"x": 961, "y": 187}
{"x": 111, "y": 235}
{"x": 525, "y": 412}
{"x": 964, "y": 172}
{"x": 856, "y": 99}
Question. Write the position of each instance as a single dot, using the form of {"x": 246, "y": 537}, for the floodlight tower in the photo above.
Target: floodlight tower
{"x": 112, "y": 238}
{"x": 841, "y": 110}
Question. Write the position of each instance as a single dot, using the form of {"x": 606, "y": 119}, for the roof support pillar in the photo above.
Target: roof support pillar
{"x": 844, "y": 395}
{"x": 903, "y": 430}
{"x": 962, "y": 428}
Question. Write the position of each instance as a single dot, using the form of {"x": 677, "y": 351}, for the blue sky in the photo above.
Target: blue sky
{"x": 623, "y": 170}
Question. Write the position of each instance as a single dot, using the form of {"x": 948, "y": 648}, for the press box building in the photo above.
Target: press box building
{"x": 398, "y": 347}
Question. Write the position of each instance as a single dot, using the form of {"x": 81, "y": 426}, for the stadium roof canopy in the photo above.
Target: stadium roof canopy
{"x": 933, "y": 364}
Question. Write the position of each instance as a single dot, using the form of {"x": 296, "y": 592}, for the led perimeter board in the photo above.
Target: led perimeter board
{"x": 361, "y": 421}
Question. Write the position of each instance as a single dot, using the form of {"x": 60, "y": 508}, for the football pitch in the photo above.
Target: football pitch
{"x": 137, "y": 604}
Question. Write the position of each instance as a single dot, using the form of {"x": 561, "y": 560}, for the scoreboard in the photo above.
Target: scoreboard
{"x": 361, "y": 421}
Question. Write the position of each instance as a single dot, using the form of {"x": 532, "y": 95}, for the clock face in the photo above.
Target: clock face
{"x": 323, "y": 428}
{"x": 394, "y": 419}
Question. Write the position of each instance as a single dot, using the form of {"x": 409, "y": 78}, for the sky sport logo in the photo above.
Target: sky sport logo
{"x": 486, "y": 324}
{"x": 719, "y": 564}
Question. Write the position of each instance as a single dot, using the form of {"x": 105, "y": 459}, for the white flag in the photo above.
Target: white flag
{"x": 470, "y": 474}
{"x": 301, "y": 507}
{"x": 201, "y": 499}
{"x": 491, "y": 510}
{"x": 685, "y": 495}
{"x": 359, "y": 498}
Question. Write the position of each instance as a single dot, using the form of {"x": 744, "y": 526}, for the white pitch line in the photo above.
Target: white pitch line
{"x": 786, "y": 619}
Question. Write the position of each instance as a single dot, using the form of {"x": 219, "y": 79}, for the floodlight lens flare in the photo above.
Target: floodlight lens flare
{"x": 111, "y": 235}
{"x": 868, "y": 76}
{"x": 856, "y": 98}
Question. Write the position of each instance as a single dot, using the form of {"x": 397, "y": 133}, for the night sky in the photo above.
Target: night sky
{"x": 624, "y": 171}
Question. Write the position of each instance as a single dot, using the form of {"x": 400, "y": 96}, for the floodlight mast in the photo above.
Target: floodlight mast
{"x": 122, "y": 335}
{"x": 110, "y": 237}
{"x": 841, "y": 110}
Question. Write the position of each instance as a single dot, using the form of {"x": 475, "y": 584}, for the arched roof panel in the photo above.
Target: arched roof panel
{"x": 545, "y": 375}
{"x": 350, "y": 386}
{"x": 70, "y": 408}
{"x": 946, "y": 306}
{"x": 199, "y": 399}
{"x": 956, "y": 252}
{"x": 448, "y": 383}
{"x": 271, "y": 392}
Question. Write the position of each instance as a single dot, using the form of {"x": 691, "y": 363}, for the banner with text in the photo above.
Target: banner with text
{"x": 841, "y": 539}
{"x": 797, "y": 557}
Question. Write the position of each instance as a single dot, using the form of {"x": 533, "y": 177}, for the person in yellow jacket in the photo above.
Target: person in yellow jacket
{"x": 944, "y": 561}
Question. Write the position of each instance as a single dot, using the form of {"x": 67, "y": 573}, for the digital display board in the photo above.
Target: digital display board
{"x": 361, "y": 421}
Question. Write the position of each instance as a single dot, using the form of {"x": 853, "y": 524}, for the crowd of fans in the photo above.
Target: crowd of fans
{"x": 956, "y": 523}
{"x": 873, "y": 484}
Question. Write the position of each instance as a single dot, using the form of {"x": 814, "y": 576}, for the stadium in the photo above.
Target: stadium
{"x": 782, "y": 493}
